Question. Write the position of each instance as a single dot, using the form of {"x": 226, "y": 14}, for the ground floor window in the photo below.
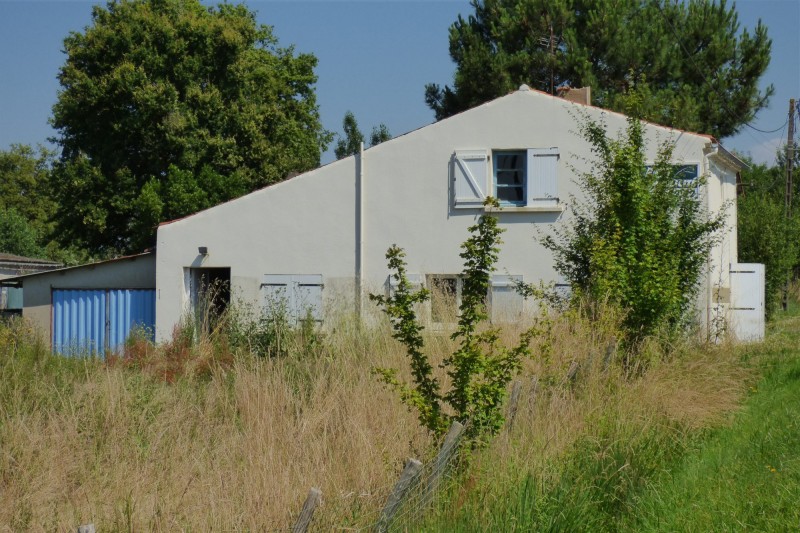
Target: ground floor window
{"x": 297, "y": 297}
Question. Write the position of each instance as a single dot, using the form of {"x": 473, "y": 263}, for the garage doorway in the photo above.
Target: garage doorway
{"x": 210, "y": 295}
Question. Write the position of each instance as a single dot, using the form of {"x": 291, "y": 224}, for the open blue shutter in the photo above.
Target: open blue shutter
{"x": 505, "y": 302}
{"x": 470, "y": 178}
{"x": 542, "y": 177}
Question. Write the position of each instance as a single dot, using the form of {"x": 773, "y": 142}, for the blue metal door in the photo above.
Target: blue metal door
{"x": 129, "y": 310}
{"x": 87, "y": 322}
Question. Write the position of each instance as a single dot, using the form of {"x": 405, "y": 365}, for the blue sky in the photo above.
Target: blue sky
{"x": 375, "y": 58}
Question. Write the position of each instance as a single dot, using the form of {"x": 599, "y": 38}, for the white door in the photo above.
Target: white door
{"x": 747, "y": 301}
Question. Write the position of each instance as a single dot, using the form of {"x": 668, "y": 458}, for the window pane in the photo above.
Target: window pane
{"x": 444, "y": 302}
{"x": 510, "y": 177}
{"x": 511, "y": 194}
{"x": 510, "y": 161}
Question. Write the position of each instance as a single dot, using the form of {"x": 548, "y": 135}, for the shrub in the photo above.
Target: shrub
{"x": 640, "y": 239}
{"x": 480, "y": 368}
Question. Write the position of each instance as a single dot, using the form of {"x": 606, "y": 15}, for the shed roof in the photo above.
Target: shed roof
{"x": 23, "y": 277}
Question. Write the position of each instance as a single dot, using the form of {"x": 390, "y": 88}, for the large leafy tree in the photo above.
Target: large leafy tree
{"x": 696, "y": 69}
{"x": 765, "y": 233}
{"x": 24, "y": 188}
{"x": 167, "y": 107}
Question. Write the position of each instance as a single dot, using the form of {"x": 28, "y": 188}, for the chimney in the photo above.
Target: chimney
{"x": 579, "y": 96}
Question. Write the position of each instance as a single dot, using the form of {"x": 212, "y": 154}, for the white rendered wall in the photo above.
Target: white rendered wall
{"x": 307, "y": 225}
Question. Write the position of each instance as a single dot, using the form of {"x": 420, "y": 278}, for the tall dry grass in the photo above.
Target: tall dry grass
{"x": 237, "y": 445}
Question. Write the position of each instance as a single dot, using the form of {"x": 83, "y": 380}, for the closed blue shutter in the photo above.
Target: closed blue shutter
{"x": 543, "y": 177}
{"x": 293, "y": 295}
{"x": 470, "y": 178}
{"x": 308, "y": 297}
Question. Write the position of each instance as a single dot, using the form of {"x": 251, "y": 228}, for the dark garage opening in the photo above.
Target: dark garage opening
{"x": 211, "y": 295}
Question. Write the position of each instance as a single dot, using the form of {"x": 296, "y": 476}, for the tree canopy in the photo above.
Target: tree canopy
{"x": 689, "y": 59}
{"x": 350, "y": 142}
{"x": 18, "y": 236}
{"x": 167, "y": 107}
{"x": 24, "y": 186}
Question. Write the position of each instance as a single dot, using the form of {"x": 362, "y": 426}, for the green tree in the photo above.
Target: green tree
{"x": 701, "y": 73}
{"x": 24, "y": 185}
{"x": 157, "y": 90}
{"x": 481, "y": 367}
{"x": 350, "y": 143}
{"x": 379, "y": 135}
{"x": 18, "y": 236}
{"x": 640, "y": 238}
{"x": 765, "y": 234}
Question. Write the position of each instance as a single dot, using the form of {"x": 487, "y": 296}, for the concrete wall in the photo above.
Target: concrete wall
{"x": 137, "y": 272}
{"x": 339, "y": 220}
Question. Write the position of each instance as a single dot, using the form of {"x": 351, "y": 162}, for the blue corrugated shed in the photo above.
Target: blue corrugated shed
{"x": 97, "y": 321}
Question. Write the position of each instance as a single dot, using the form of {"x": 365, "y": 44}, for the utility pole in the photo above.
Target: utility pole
{"x": 789, "y": 189}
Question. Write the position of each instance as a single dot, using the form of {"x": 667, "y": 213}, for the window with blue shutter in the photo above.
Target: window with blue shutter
{"x": 519, "y": 177}
{"x": 297, "y": 297}
{"x": 509, "y": 177}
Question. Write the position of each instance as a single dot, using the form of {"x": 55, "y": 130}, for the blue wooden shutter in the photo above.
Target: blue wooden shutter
{"x": 275, "y": 295}
{"x": 542, "y": 177}
{"x": 292, "y": 295}
{"x": 307, "y": 297}
{"x": 470, "y": 178}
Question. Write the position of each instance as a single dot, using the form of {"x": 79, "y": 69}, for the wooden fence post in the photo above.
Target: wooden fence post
{"x": 534, "y": 389}
{"x": 611, "y": 349}
{"x": 312, "y": 500}
{"x": 407, "y": 479}
{"x": 449, "y": 447}
{"x": 572, "y": 373}
{"x": 513, "y": 400}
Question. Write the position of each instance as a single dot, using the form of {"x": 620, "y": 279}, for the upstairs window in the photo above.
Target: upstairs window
{"x": 510, "y": 172}
{"x": 517, "y": 178}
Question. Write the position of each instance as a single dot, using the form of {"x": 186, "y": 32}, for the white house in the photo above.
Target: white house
{"x": 320, "y": 238}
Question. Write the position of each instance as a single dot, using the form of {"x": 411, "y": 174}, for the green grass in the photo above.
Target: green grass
{"x": 622, "y": 475}
{"x": 745, "y": 476}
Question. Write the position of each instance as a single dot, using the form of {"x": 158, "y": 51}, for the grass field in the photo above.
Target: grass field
{"x": 736, "y": 471}
{"x": 206, "y": 435}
